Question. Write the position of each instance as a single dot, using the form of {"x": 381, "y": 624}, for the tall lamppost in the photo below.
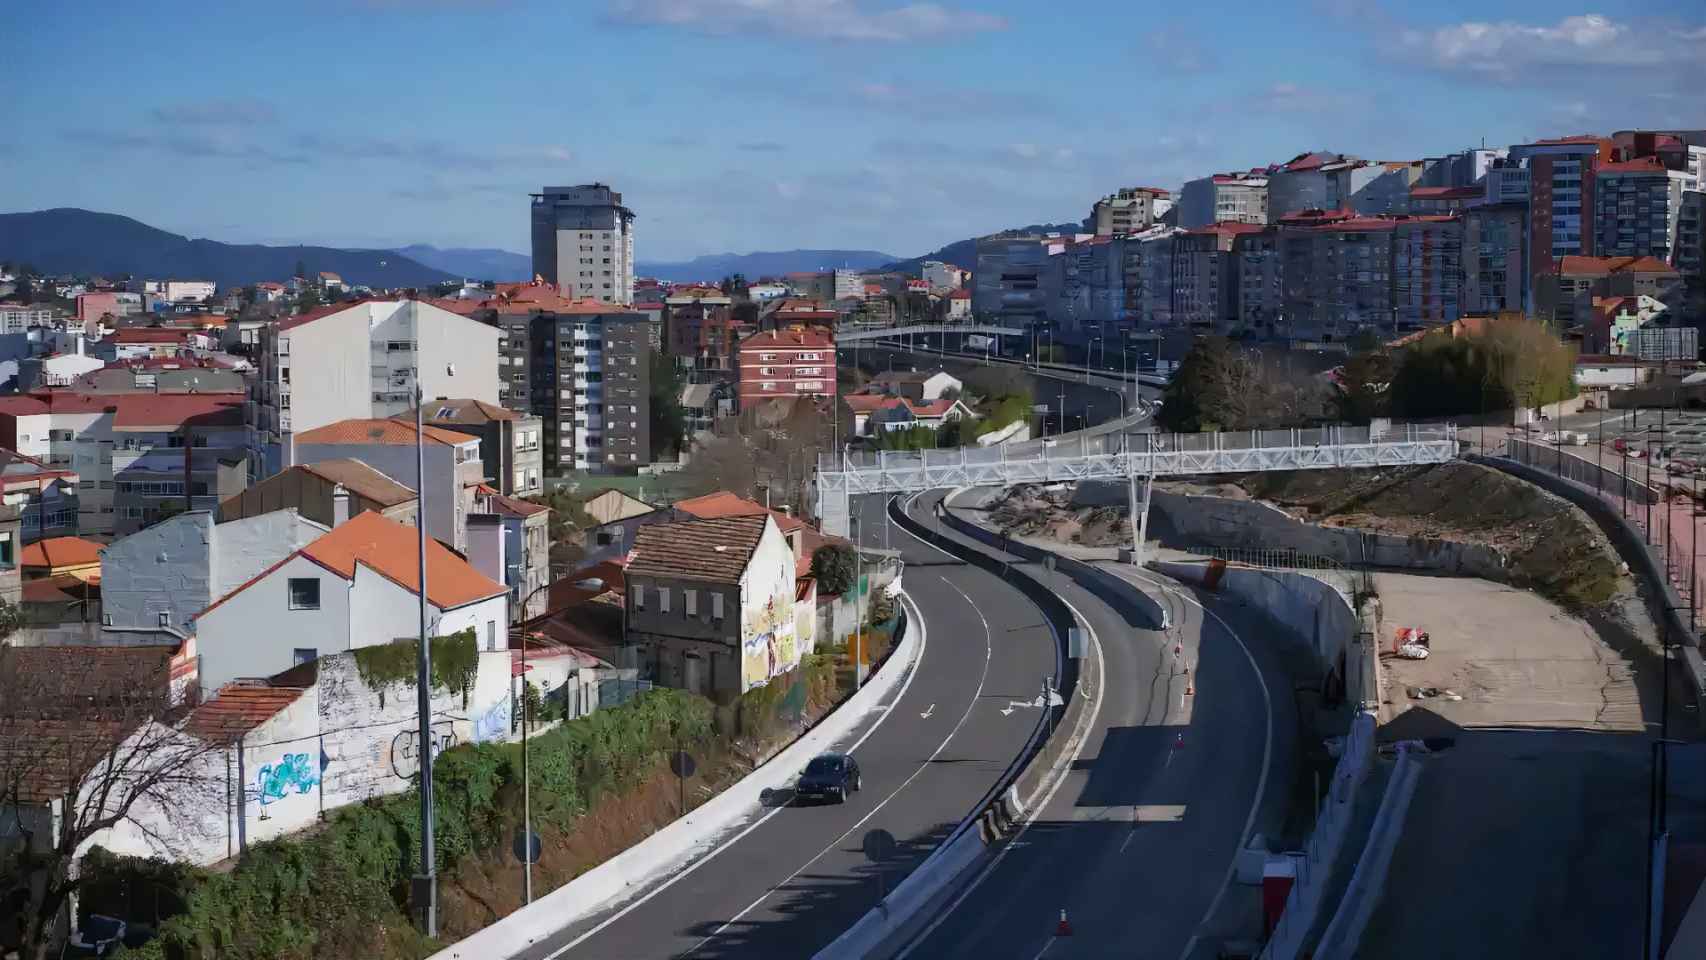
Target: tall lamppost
{"x": 426, "y": 881}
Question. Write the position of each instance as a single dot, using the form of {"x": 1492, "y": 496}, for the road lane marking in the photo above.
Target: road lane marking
{"x": 923, "y": 638}
{"x": 989, "y": 646}
{"x": 927, "y": 712}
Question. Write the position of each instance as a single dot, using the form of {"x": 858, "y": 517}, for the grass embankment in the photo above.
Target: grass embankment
{"x": 599, "y": 784}
{"x": 1553, "y": 548}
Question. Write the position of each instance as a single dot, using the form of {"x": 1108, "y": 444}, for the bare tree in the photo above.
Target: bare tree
{"x": 89, "y": 740}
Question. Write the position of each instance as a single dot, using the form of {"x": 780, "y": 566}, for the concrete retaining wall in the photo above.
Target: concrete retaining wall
{"x": 1318, "y": 616}
{"x": 1185, "y": 521}
{"x": 1344, "y": 932}
{"x": 671, "y": 848}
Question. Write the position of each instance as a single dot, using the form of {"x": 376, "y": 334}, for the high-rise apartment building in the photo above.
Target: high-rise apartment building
{"x": 1256, "y": 261}
{"x": 1224, "y": 198}
{"x": 1131, "y": 210}
{"x": 583, "y": 242}
{"x": 1637, "y": 206}
{"x": 1495, "y": 258}
{"x": 572, "y": 389}
{"x": 1205, "y": 289}
{"x": 1427, "y": 271}
{"x": 1561, "y": 197}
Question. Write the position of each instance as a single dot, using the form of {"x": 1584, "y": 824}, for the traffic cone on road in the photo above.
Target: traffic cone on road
{"x": 1190, "y": 685}
{"x": 1063, "y": 929}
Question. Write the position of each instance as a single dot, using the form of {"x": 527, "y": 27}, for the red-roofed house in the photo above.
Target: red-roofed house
{"x": 175, "y": 451}
{"x": 132, "y": 343}
{"x": 871, "y": 411}
{"x": 453, "y": 465}
{"x": 798, "y": 361}
{"x": 356, "y": 586}
{"x": 52, "y": 556}
{"x": 1567, "y": 285}
{"x": 959, "y": 304}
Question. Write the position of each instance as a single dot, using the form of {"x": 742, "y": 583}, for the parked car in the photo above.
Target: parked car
{"x": 830, "y": 776}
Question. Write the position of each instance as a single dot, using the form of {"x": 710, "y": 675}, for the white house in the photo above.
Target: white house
{"x": 920, "y": 386}
{"x": 871, "y": 411}
{"x": 353, "y": 587}
{"x": 453, "y": 465}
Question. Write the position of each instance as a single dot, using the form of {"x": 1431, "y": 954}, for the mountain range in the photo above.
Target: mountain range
{"x": 472, "y": 263}
{"x": 67, "y": 240}
{"x": 774, "y": 263}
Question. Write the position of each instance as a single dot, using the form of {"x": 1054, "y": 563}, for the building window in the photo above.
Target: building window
{"x": 639, "y": 596}
{"x": 302, "y": 655}
{"x": 663, "y": 599}
{"x": 491, "y": 635}
{"x": 304, "y": 593}
{"x": 716, "y": 606}
{"x": 690, "y": 602}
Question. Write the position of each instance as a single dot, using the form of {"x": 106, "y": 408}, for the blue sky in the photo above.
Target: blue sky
{"x": 735, "y": 125}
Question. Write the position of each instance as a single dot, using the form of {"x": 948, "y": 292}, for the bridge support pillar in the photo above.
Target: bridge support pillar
{"x": 1139, "y": 515}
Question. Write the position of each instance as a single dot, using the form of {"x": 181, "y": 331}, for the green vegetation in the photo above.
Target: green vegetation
{"x": 833, "y": 566}
{"x": 1509, "y": 362}
{"x": 341, "y": 891}
{"x": 1221, "y": 386}
{"x": 455, "y": 662}
{"x": 668, "y": 421}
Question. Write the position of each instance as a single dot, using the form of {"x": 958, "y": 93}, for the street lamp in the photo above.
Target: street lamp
{"x": 426, "y": 881}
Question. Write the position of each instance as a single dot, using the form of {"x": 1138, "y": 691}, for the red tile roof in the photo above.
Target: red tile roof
{"x": 291, "y": 323}
{"x": 1229, "y": 228}
{"x": 1637, "y": 165}
{"x": 381, "y": 431}
{"x": 1445, "y": 193}
{"x": 149, "y": 335}
{"x": 1604, "y": 266}
{"x": 358, "y": 478}
{"x": 156, "y": 411}
{"x": 1308, "y": 161}
{"x": 61, "y": 552}
{"x": 391, "y": 550}
{"x": 715, "y": 551}
{"x": 960, "y": 294}
{"x": 726, "y": 504}
{"x": 577, "y": 588}
{"x": 236, "y": 709}
{"x": 792, "y": 337}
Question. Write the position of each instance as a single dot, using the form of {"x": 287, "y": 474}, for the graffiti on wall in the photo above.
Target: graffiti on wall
{"x": 494, "y": 723}
{"x": 405, "y": 748}
{"x": 292, "y": 775}
{"x": 769, "y": 648}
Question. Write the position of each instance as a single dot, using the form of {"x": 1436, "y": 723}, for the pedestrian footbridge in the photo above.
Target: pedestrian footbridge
{"x": 1126, "y": 456}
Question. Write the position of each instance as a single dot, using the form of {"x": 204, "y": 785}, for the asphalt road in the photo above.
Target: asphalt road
{"x": 1084, "y": 404}
{"x": 797, "y": 877}
{"x": 1137, "y": 842}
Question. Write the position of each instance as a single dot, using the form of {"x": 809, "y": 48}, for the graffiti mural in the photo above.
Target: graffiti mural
{"x": 769, "y": 648}
{"x": 405, "y": 748}
{"x": 494, "y": 723}
{"x": 293, "y": 774}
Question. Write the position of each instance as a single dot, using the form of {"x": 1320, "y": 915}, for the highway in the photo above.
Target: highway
{"x": 1138, "y": 841}
{"x": 796, "y": 876}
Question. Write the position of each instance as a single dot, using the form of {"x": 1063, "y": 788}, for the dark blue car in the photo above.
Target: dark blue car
{"x": 830, "y": 776}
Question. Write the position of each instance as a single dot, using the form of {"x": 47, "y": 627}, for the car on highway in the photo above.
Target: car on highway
{"x": 829, "y": 776}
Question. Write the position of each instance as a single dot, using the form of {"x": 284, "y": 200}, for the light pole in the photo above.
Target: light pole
{"x": 426, "y": 881}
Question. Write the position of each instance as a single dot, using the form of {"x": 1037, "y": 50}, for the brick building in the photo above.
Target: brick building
{"x": 795, "y": 362}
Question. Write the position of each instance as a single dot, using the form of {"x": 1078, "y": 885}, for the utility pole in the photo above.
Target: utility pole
{"x": 426, "y": 881}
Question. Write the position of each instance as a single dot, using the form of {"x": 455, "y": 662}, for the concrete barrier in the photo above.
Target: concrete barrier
{"x": 1306, "y": 901}
{"x": 677, "y": 844}
{"x": 1344, "y": 931}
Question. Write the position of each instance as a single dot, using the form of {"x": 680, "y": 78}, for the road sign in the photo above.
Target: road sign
{"x": 681, "y": 764}
{"x": 527, "y": 846}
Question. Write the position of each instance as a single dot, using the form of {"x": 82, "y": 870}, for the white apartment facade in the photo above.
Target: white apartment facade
{"x": 361, "y": 361}
{"x": 583, "y": 242}
{"x": 17, "y": 318}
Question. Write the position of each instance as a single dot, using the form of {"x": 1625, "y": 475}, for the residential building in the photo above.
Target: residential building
{"x": 355, "y": 586}
{"x": 959, "y": 305}
{"x": 569, "y": 379}
{"x": 1260, "y": 273}
{"x": 916, "y": 385}
{"x": 328, "y": 492}
{"x": 1690, "y": 250}
{"x": 942, "y": 277}
{"x": 873, "y": 412}
{"x": 1224, "y": 198}
{"x": 521, "y": 554}
{"x": 1637, "y": 206}
{"x": 175, "y": 452}
{"x": 1507, "y": 182}
{"x": 711, "y": 604}
{"x": 43, "y": 498}
{"x": 845, "y": 284}
{"x": 19, "y": 317}
{"x": 1566, "y": 287}
{"x": 1613, "y": 322}
{"x": 795, "y": 362}
{"x": 1561, "y": 197}
{"x": 160, "y": 577}
{"x": 1205, "y": 282}
{"x": 1371, "y": 188}
{"x": 1426, "y": 200}
{"x": 1495, "y": 258}
{"x": 71, "y": 434}
{"x": 615, "y": 517}
{"x": 1337, "y": 275}
{"x": 700, "y": 331}
{"x": 1015, "y": 282}
{"x": 1148, "y": 275}
{"x": 331, "y": 282}
{"x": 134, "y": 343}
{"x": 60, "y": 556}
{"x": 1461, "y": 169}
{"x": 583, "y": 242}
{"x": 511, "y": 444}
{"x": 452, "y": 461}
{"x": 765, "y": 291}
{"x": 1131, "y": 210}
{"x": 358, "y": 361}
{"x": 189, "y": 291}
{"x": 208, "y": 374}
{"x": 92, "y": 307}
{"x": 1427, "y": 271}
{"x": 625, "y": 440}
{"x": 1299, "y": 184}
{"x": 63, "y": 370}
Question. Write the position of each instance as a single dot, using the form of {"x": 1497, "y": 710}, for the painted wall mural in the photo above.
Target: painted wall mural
{"x": 294, "y": 774}
{"x": 770, "y": 646}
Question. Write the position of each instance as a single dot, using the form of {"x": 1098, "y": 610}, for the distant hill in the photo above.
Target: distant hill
{"x": 963, "y": 253}
{"x": 716, "y": 266}
{"x": 473, "y": 263}
{"x": 66, "y": 240}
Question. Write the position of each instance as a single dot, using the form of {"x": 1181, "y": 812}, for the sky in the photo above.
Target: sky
{"x": 740, "y": 125}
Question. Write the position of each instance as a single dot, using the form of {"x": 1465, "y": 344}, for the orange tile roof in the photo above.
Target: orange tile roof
{"x": 1637, "y": 165}
{"x": 382, "y": 431}
{"x": 154, "y": 411}
{"x": 791, "y": 337}
{"x": 61, "y": 552}
{"x": 723, "y": 503}
{"x": 1604, "y": 266}
{"x": 236, "y": 709}
{"x": 149, "y": 335}
{"x": 390, "y": 549}
{"x": 291, "y": 323}
{"x": 715, "y": 550}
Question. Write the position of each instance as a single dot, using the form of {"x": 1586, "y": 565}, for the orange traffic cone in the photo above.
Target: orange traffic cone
{"x": 1063, "y": 929}
{"x": 1190, "y": 685}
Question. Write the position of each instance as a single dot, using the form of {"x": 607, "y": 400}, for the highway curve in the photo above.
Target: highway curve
{"x": 796, "y": 877}
{"x": 1137, "y": 842}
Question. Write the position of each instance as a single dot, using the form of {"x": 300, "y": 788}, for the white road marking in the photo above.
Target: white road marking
{"x": 1031, "y": 814}
{"x": 989, "y": 643}
{"x": 927, "y": 712}
{"x": 923, "y": 638}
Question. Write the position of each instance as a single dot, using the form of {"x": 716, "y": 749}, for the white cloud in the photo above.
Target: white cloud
{"x": 1587, "y": 40}
{"x": 838, "y": 20}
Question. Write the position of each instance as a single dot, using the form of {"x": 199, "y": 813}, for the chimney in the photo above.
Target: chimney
{"x": 340, "y": 505}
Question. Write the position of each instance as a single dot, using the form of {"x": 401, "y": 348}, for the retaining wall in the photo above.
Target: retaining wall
{"x": 672, "y": 847}
{"x": 1186, "y": 521}
{"x": 1344, "y": 931}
